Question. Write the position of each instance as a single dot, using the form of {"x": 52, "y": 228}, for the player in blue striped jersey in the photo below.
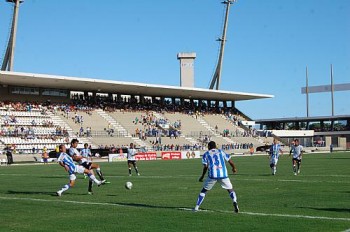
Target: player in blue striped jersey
{"x": 214, "y": 161}
{"x": 67, "y": 162}
{"x": 76, "y": 155}
{"x": 274, "y": 154}
{"x": 86, "y": 152}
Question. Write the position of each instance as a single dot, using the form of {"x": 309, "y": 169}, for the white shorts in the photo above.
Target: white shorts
{"x": 274, "y": 161}
{"x": 72, "y": 177}
{"x": 79, "y": 169}
{"x": 209, "y": 183}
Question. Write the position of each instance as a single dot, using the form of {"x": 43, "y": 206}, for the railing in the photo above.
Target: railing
{"x": 197, "y": 134}
{"x": 104, "y": 133}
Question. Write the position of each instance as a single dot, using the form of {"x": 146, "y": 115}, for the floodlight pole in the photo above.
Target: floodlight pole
{"x": 7, "y": 63}
{"x": 332, "y": 90}
{"x": 307, "y": 93}
{"x": 217, "y": 74}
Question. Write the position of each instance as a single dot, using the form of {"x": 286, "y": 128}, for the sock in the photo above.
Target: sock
{"x": 99, "y": 173}
{"x": 137, "y": 171}
{"x": 294, "y": 170}
{"x": 90, "y": 186}
{"x": 65, "y": 188}
{"x": 200, "y": 199}
{"x": 233, "y": 196}
{"x": 93, "y": 178}
{"x": 274, "y": 169}
{"x": 129, "y": 171}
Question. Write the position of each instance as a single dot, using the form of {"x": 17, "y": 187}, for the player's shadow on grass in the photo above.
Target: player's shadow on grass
{"x": 146, "y": 206}
{"x": 29, "y": 192}
{"x": 339, "y": 210}
{"x": 239, "y": 174}
{"x": 340, "y": 158}
{"x": 38, "y": 193}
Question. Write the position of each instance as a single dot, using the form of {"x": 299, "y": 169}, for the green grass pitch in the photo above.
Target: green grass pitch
{"x": 161, "y": 198}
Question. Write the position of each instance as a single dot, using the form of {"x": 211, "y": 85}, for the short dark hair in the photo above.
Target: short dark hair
{"x": 211, "y": 145}
{"x": 61, "y": 146}
{"x": 85, "y": 144}
{"x": 74, "y": 141}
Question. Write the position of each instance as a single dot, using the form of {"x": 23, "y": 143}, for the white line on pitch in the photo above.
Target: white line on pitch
{"x": 291, "y": 180}
{"x": 186, "y": 209}
{"x": 271, "y": 214}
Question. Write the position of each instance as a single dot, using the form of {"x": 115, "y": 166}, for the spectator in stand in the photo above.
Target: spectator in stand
{"x": 45, "y": 156}
{"x": 9, "y": 155}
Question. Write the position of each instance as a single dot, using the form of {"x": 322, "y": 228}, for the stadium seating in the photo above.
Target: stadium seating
{"x": 118, "y": 128}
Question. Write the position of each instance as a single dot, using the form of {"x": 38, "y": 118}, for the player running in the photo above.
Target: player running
{"x": 297, "y": 151}
{"x": 75, "y": 154}
{"x": 67, "y": 162}
{"x": 131, "y": 159}
{"x": 214, "y": 160}
{"x": 274, "y": 154}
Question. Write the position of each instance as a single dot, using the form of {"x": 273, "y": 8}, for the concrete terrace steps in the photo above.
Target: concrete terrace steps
{"x": 182, "y": 138}
{"x": 188, "y": 123}
{"x": 121, "y": 129}
{"x": 117, "y": 126}
{"x": 190, "y": 126}
{"x": 212, "y": 129}
{"x": 222, "y": 123}
{"x": 57, "y": 120}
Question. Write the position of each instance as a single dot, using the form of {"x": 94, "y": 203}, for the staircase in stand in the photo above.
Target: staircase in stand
{"x": 56, "y": 120}
{"x": 191, "y": 140}
{"x": 212, "y": 130}
{"x": 121, "y": 130}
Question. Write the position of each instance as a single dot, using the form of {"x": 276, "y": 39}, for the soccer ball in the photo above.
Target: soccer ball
{"x": 128, "y": 185}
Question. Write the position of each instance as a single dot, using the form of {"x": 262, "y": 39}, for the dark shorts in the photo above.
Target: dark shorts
{"x": 45, "y": 160}
{"x": 133, "y": 162}
{"x": 297, "y": 160}
{"x": 87, "y": 165}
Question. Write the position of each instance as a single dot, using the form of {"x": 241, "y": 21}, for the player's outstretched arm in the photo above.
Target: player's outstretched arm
{"x": 77, "y": 158}
{"x": 205, "y": 168}
{"x": 63, "y": 165}
{"x": 234, "y": 170}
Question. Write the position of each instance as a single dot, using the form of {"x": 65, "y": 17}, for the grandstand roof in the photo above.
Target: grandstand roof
{"x": 109, "y": 86}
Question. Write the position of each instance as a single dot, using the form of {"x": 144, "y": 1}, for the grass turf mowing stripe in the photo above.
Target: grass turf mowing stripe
{"x": 185, "y": 209}
{"x": 192, "y": 176}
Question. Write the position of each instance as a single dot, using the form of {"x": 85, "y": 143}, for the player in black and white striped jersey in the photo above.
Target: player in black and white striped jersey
{"x": 297, "y": 151}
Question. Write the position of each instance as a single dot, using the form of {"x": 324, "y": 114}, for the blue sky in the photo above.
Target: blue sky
{"x": 269, "y": 44}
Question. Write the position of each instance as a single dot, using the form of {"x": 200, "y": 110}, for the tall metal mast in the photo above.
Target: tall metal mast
{"x": 332, "y": 90}
{"x": 307, "y": 93}
{"x": 217, "y": 74}
{"x": 7, "y": 64}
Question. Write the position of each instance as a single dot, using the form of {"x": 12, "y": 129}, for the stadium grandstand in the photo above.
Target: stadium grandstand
{"x": 40, "y": 111}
